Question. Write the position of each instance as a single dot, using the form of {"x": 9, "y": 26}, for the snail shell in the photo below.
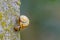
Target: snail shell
{"x": 24, "y": 21}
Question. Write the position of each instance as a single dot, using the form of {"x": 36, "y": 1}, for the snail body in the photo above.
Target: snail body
{"x": 17, "y": 28}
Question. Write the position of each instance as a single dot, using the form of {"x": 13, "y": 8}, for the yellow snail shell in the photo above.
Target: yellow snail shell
{"x": 24, "y": 21}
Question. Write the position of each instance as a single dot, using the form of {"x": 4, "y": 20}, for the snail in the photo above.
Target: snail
{"x": 23, "y": 22}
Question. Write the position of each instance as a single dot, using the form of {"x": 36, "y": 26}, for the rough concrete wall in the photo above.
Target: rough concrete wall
{"x": 9, "y": 13}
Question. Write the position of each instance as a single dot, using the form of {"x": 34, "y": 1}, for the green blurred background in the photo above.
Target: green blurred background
{"x": 44, "y": 18}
